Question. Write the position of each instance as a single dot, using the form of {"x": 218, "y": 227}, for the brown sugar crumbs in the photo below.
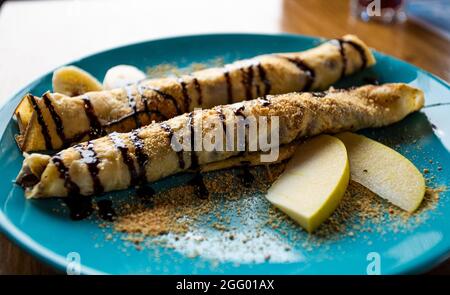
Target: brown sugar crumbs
{"x": 236, "y": 216}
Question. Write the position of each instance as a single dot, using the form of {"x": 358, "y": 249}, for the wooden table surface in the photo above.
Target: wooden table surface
{"x": 27, "y": 22}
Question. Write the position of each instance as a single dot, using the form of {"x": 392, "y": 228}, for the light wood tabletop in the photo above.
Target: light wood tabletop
{"x": 24, "y": 23}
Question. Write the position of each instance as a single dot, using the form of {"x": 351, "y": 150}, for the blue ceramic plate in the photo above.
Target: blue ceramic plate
{"x": 51, "y": 236}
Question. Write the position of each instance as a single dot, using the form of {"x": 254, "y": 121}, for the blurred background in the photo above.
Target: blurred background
{"x": 37, "y": 36}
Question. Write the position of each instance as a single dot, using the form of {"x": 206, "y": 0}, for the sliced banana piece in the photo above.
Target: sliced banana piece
{"x": 73, "y": 81}
{"x": 121, "y": 76}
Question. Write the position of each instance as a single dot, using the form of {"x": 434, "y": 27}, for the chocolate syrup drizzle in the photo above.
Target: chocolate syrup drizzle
{"x": 141, "y": 156}
{"x": 79, "y": 206}
{"x": 169, "y": 130}
{"x": 247, "y": 81}
{"x": 106, "y": 210}
{"x": 55, "y": 117}
{"x": 72, "y": 187}
{"x": 199, "y": 91}
{"x": 222, "y": 119}
{"x": 265, "y": 101}
{"x": 95, "y": 127}
{"x": 361, "y": 51}
{"x": 198, "y": 183}
{"x": 146, "y": 109}
{"x": 258, "y": 91}
{"x": 356, "y": 46}
{"x": 226, "y": 74}
{"x": 199, "y": 186}
{"x": 89, "y": 157}
{"x": 247, "y": 176}
{"x": 143, "y": 98}
{"x": 264, "y": 79}
{"x": 371, "y": 80}
{"x": 127, "y": 159}
{"x": 166, "y": 96}
{"x": 184, "y": 92}
{"x": 319, "y": 94}
{"x": 133, "y": 105}
{"x": 144, "y": 192}
{"x": 239, "y": 112}
{"x": 41, "y": 121}
{"x": 343, "y": 56}
{"x": 194, "y": 158}
{"x": 309, "y": 72}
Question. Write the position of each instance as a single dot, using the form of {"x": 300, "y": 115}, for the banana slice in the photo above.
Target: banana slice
{"x": 121, "y": 76}
{"x": 73, "y": 81}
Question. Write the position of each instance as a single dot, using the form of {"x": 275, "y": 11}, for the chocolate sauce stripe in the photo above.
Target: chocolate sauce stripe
{"x": 169, "y": 130}
{"x": 239, "y": 112}
{"x": 106, "y": 210}
{"x": 247, "y": 81}
{"x": 199, "y": 91}
{"x": 222, "y": 119}
{"x": 247, "y": 176}
{"x": 166, "y": 96}
{"x": 95, "y": 127}
{"x": 55, "y": 117}
{"x": 226, "y": 74}
{"x": 194, "y": 158}
{"x": 361, "y": 51}
{"x": 200, "y": 187}
{"x": 143, "y": 97}
{"x": 41, "y": 122}
{"x": 132, "y": 103}
{"x": 89, "y": 157}
{"x": 146, "y": 108}
{"x": 265, "y": 101}
{"x": 264, "y": 79}
{"x": 343, "y": 57}
{"x": 184, "y": 92}
{"x": 121, "y": 119}
{"x": 258, "y": 91}
{"x": 141, "y": 157}
{"x": 307, "y": 70}
{"x": 127, "y": 159}
{"x": 72, "y": 187}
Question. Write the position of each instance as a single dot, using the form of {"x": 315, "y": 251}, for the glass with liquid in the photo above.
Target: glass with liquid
{"x": 386, "y": 11}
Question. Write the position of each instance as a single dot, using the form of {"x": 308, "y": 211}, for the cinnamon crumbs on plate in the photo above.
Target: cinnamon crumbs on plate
{"x": 236, "y": 216}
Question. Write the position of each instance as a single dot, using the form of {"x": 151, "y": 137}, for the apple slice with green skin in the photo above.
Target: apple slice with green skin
{"x": 384, "y": 171}
{"x": 313, "y": 183}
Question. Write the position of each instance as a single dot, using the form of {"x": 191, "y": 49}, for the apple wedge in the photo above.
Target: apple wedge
{"x": 384, "y": 171}
{"x": 313, "y": 183}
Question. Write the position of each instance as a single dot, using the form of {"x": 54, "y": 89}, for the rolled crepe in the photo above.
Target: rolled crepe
{"x": 122, "y": 160}
{"x": 55, "y": 121}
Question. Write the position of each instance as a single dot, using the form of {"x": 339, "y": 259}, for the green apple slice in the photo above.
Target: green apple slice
{"x": 313, "y": 183}
{"x": 384, "y": 171}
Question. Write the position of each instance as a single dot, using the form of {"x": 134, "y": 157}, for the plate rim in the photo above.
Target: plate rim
{"x": 58, "y": 262}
